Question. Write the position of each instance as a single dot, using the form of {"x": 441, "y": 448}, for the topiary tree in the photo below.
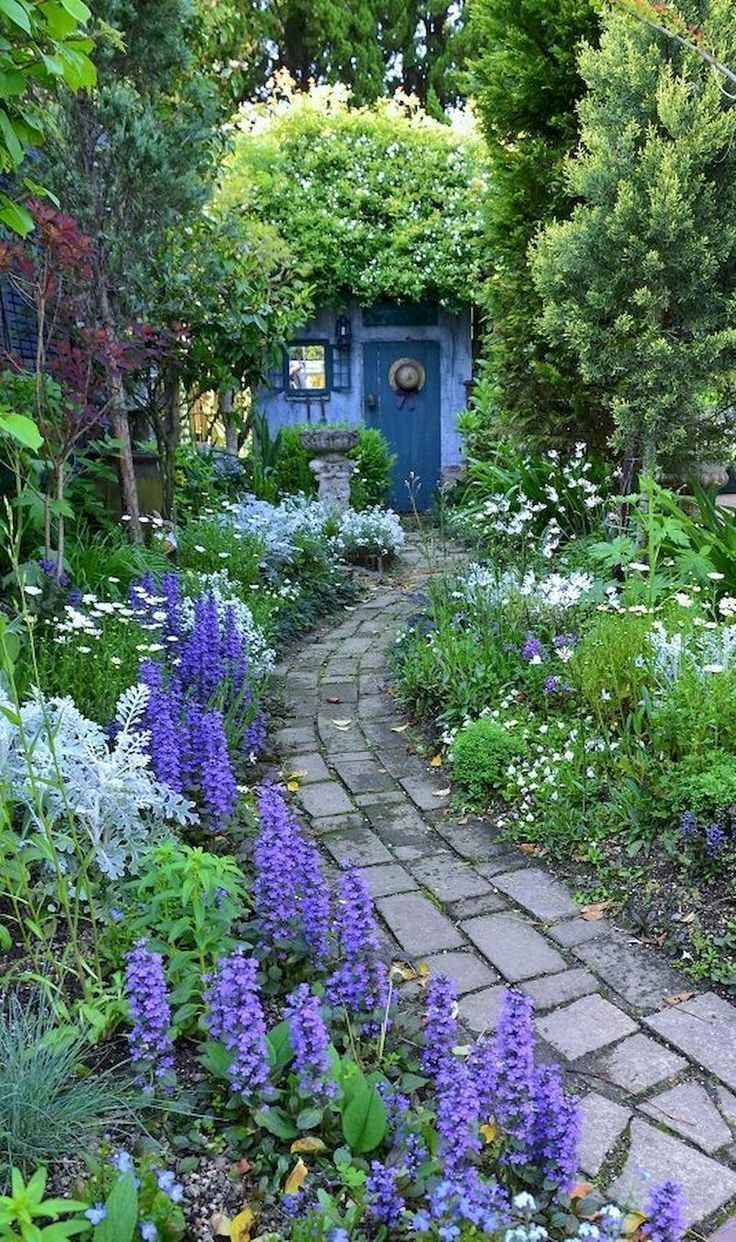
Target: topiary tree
{"x": 639, "y": 281}
{"x": 525, "y": 81}
{"x": 372, "y": 203}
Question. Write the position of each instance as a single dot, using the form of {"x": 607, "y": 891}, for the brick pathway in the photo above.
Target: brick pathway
{"x": 658, "y": 1080}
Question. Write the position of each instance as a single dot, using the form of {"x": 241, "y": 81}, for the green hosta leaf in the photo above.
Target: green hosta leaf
{"x": 363, "y": 1118}
{"x": 22, "y": 429}
{"x": 122, "y": 1212}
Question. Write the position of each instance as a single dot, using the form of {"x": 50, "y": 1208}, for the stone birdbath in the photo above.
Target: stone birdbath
{"x": 331, "y": 463}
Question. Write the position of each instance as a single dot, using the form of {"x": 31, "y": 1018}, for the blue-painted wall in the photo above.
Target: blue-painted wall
{"x": 452, "y": 332}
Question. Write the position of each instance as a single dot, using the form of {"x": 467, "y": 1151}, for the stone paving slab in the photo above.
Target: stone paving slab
{"x": 603, "y": 1123}
{"x": 513, "y": 946}
{"x": 704, "y": 1028}
{"x": 648, "y": 1109}
{"x": 418, "y": 925}
{"x": 689, "y": 1110}
{"x": 537, "y": 892}
{"x": 654, "y": 1157}
{"x": 586, "y": 1025}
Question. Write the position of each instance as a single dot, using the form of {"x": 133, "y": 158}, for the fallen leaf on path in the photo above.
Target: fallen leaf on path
{"x": 333, "y": 698}
{"x": 408, "y": 972}
{"x": 242, "y": 1224}
{"x": 677, "y": 998}
{"x": 343, "y": 725}
{"x": 441, "y": 793}
{"x": 292, "y": 786}
{"x": 435, "y": 761}
{"x": 295, "y": 1180}
{"x": 581, "y": 1189}
{"x": 591, "y": 913}
{"x": 633, "y": 1222}
{"x": 530, "y": 847}
{"x": 399, "y": 728}
{"x": 310, "y": 1144}
{"x": 220, "y": 1224}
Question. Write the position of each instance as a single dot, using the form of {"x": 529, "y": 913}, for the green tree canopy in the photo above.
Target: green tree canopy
{"x": 525, "y": 82}
{"x": 373, "y": 203}
{"x": 639, "y": 282}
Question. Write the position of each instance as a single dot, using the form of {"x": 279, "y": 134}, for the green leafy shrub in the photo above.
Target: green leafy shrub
{"x": 607, "y": 667}
{"x": 707, "y": 788}
{"x": 481, "y": 754}
{"x": 49, "y": 1109}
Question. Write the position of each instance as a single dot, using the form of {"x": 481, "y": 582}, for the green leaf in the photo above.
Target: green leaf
{"x": 280, "y": 1050}
{"x": 16, "y": 12}
{"x": 363, "y": 1118}
{"x": 276, "y": 1122}
{"x": 216, "y": 1058}
{"x": 308, "y": 1118}
{"x": 22, "y": 429}
{"x": 17, "y": 218}
{"x": 12, "y": 142}
{"x": 78, "y": 9}
{"x": 122, "y": 1212}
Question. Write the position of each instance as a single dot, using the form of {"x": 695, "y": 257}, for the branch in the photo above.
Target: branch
{"x": 635, "y": 10}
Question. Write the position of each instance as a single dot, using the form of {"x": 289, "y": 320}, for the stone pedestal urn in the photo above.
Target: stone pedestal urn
{"x": 331, "y": 464}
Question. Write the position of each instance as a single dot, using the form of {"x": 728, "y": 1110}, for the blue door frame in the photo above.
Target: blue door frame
{"x": 410, "y": 422}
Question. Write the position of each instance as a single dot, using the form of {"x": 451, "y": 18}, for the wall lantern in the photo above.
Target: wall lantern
{"x": 343, "y": 331}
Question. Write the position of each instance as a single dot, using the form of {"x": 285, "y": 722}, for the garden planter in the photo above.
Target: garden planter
{"x": 331, "y": 464}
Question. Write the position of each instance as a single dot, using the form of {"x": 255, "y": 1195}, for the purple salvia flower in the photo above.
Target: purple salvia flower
{"x": 315, "y": 903}
{"x": 557, "y": 1126}
{"x": 201, "y": 665}
{"x": 138, "y": 595}
{"x": 482, "y": 1065}
{"x": 382, "y": 1197}
{"x": 147, "y": 995}
{"x": 440, "y": 1023}
{"x": 413, "y": 1152}
{"x": 360, "y": 982}
{"x": 219, "y": 788}
{"x": 236, "y": 1019}
{"x": 233, "y": 651}
{"x": 513, "y": 1051}
{"x": 666, "y": 1213}
{"x": 310, "y": 1041}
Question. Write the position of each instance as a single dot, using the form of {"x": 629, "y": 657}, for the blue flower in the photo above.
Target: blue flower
{"x": 122, "y": 1161}
{"x": 96, "y": 1213}
{"x": 149, "y": 1232}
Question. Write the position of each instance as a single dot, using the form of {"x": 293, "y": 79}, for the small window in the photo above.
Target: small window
{"x": 308, "y": 369}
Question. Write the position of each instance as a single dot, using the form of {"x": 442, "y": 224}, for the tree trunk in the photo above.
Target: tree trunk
{"x": 167, "y": 422}
{"x": 225, "y": 400}
{"x": 119, "y": 413}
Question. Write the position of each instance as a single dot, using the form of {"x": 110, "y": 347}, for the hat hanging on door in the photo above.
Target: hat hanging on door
{"x": 406, "y": 375}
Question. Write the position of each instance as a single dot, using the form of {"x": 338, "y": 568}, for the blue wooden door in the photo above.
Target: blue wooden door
{"x": 409, "y": 421}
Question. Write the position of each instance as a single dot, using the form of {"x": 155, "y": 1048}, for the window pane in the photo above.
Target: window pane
{"x": 307, "y": 367}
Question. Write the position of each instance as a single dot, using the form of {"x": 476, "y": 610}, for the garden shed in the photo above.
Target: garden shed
{"x": 403, "y": 369}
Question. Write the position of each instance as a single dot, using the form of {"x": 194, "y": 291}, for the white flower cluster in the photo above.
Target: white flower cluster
{"x": 503, "y": 516}
{"x": 557, "y": 590}
{"x": 279, "y": 527}
{"x": 370, "y": 532}
{"x": 483, "y": 586}
{"x": 261, "y": 657}
{"x": 60, "y": 768}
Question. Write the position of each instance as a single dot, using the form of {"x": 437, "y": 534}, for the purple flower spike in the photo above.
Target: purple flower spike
{"x": 310, "y": 1041}
{"x": 666, "y": 1213}
{"x": 512, "y": 1107}
{"x": 384, "y": 1202}
{"x": 457, "y": 1113}
{"x": 145, "y": 988}
{"x": 162, "y": 713}
{"x": 237, "y": 1020}
{"x": 290, "y": 893}
{"x": 360, "y": 982}
{"x": 219, "y": 790}
{"x": 440, "y": 1024}
{"x": 557, "y": 1125}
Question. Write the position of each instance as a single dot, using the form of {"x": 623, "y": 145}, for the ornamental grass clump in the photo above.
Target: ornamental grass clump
{"x": 237, "y": 1020}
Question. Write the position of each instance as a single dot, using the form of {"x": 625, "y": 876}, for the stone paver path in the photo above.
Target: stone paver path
{"x": 657, "y": 1078}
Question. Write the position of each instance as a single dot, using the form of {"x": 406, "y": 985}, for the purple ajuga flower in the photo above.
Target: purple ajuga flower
{"x": 715, "y": 836}
{"x": 163, "y": 727}
{"x": 513, "y": 1052}
{"x": 254, "y": 737}
{"x": 689, "y": 825}
{"x": 565, "y": 640}
{"x": 456, "y": 1102}
{"x": 532, "y": 649}
{"x": 290, "y": 893}
{"x": 360, "y": 983}
{"x": 440, "y": 1023}
{"x": 382, "y": 1197}
{"x": 463, "y": 1200}
{"x": 219, "y": 789}
{"x": 666, "y": 1213}
{"x": 236, "y": 1019}
{"x": 552, "y": 685}
{"x": 310, "y": 1041}
{"x": 482, "y": 1065}
{"x": 201, "y": 662}
{"x": 556, "y": 1127}
{"x": 234, "y": 655}
{"x": 171, "y": 592}
{"x": 147, "y": 995}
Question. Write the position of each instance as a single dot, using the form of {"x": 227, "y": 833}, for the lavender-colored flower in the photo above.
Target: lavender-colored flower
{"x": 513, "y": 1051}
{"x": 413, "y": 1153}
{"x": 666, "y": 1213}
{"x": 532, "y": 649}
{"x": 236, "y": 1019}
{"x": 715, "y": 836}
{"x": 235, "y": 659}
{"x": 290, "y": 893}
{"x": 254, "y": 737}
{"x": 138, "y": 596}
{"x": 440, "y": 1024}
{"x": 610, "y": 1223}
{"x": 219, "y": 789}
{"x": 201, "y": 663}
{"x": 557, "y": 1125}
{"x": 456, "y": 1103}
{"x": 465, "y": 1199}
{"x": 122, "y": 1161}
{"x": 145, "y": 987}
{"x": 166, "y": 1181}
{"x": 149, "y": 1232}
{"x": 315, "y": 911}
{"x": 689, "y": 825}
{"x": 551, "y": 685}
{"x": 163, "y": 727}
{"x": 384, "y": 1202}
{"x": 171, "y": 592}
{"x": 310, "y": 1040}
{"x": 565, "y": 640}
{"x": 96, "y": 1214}
{"x": 360, "y": 982}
